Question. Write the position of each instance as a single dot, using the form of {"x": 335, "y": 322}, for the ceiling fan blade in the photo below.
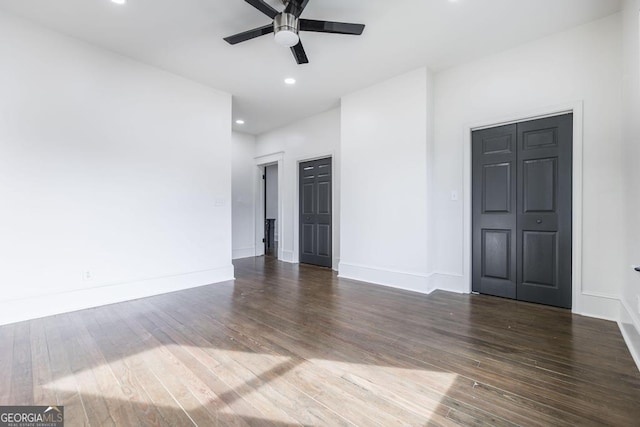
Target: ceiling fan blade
{"x": 263, "y": 7}
{"x": 331, "y": 27}
{"x": 299, "y": 54}
{"x": 250, "y": 34}
{"x": 296, "y": 7}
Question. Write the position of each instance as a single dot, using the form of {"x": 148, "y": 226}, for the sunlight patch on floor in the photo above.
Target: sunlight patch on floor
{"x": 415, "y": 390}
{"x": 253, "y": 385}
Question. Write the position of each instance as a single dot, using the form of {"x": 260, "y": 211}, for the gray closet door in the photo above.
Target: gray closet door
{"x": 522, "y": 211}
{"x": 315, "y": 212}
{"x": 494, "y": 211}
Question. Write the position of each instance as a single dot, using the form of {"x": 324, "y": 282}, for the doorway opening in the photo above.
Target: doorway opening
{"x": 271, "y": 164}
{"x": 271, "y": 220}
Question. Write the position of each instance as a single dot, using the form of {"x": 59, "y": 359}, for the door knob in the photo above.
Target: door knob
{"x": 539, "y": 221}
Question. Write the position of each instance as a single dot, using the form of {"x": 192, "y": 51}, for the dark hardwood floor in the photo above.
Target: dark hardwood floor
{"x": 288, "y": 345}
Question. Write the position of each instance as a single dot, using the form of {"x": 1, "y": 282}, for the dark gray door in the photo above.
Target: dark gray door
{"x": 315, "y": 212}
{"x": 522, "y": 179}
{"x": 494, "y": 211}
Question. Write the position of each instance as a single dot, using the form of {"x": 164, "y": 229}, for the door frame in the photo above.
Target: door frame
{"x": 576, "y": 222}
{"x": 296, "y": 205}
{"x": 260, "y": 163}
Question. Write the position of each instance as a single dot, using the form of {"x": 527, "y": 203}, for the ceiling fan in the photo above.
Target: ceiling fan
{"x": 287, "y": 24}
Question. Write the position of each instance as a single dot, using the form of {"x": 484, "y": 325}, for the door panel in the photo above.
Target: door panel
{"x": 544, "y": 210}
{"x": 494, "y": 211}
{"x": 307, "y": 196}
{"x": 540, "y": 258}
{"x": 496, "y": 253}
{"x": 539, "y": 138}
{"x": 497, "y": 144}
{"x": 496, "y": 188}
{"x": 521, "y": 209}
{"x": 540, "y": 184}
{"x": 324, "y": 238}
{"x": 324, "y": 198}
{"x": 308, "y": 234}
{"x": 315, "y": 212}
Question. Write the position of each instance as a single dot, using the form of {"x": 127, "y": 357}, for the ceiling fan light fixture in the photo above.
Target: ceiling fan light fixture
{"x": 285, "y": 27}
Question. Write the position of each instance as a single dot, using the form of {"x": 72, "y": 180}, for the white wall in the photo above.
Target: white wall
{"x": 312, "y": 138}
{"x": 243, "y": 148}
{"x": 384, "y": 236}
{"x": 115, "y": 177}
{"x": 582, "y": 64}
{"x": 631, "y": 155}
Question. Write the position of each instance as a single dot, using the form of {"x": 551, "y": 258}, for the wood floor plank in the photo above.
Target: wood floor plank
{"x": 6, "y": 363}
{"x": 99, "y": 387}
{"x": 67, "y": 386}
{"x": 21, "y": 369}
{"x": 42, "y": 395}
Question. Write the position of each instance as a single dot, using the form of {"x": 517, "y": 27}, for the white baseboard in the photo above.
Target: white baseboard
{"x": 415, "y": 282}
{"x": 48, "y": 305}
{"x": 599, "y": 306}
{"x": 629, "y": 324}
{"x": 448, "y": 282}
{"x": 287, "y": 256}
{"x": 244, "y": 252}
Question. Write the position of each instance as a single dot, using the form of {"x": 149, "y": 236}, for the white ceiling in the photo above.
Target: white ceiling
{"x": 185, "y": 37}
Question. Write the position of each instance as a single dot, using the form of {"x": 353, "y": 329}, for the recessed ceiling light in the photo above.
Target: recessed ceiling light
{"x": 290, "y": 81}
{"x": 119, "y": 1}
{"x": 239, "y": 122}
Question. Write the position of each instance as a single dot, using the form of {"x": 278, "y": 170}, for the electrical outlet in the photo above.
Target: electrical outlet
{"x": 86, "y": 276}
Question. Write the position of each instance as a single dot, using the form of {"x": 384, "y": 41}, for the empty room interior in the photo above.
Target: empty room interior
{"x": 320, "y": 212}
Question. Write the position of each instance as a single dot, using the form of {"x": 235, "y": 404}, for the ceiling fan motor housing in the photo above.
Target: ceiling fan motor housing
{"x": 286, "y": 27}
